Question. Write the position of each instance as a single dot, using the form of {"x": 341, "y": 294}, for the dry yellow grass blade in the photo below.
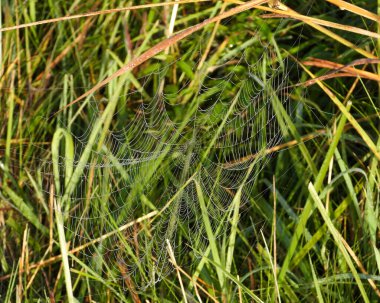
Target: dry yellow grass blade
{"x": 282, "y": 8}
{"x": 335, "y": 68}
{"x": 355, "y": 9}
{"x": 372, "y": 146}
{"x": 97, "y": 13}
{"x": 339, "y": 39}
{"x": 360, "y": 265}
{"x": 173, "y": 260}
{"x": 197, "y": 284}
{"x": 285, "y": 11}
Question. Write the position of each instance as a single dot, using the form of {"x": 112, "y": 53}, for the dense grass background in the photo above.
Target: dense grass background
{"x": 308, "y": 225}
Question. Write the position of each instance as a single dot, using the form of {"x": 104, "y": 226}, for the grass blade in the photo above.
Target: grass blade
{"x": 308, "y": 209}
{"x": 64, "y": 252}
{"x": 338, "y": 239}
{"x": 210, "y": 234}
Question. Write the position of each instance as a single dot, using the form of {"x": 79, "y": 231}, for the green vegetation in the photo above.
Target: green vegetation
{"x": 235, "y": 161}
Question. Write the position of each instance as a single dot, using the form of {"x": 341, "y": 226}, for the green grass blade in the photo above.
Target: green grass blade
{"x": 308, "y": 209}
{"x": 25, "y": 209}
{"x": 338, "y": 239}
{"x": 316, "y": 283}
{"x": 210, "y": 234}
{"x": 64, "y": 253}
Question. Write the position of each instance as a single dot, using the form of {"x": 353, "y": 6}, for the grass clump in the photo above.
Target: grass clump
{"x": 189, "y": 151}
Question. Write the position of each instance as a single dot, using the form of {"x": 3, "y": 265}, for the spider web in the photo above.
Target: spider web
{"x": 189, "y": 132}
{"x": 239, "y": 118}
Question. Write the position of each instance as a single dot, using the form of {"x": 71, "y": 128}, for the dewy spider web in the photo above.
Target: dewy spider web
{"x": 186, "y": 134}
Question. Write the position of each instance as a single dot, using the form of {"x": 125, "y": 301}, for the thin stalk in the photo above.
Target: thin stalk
{"x": 10, "y": 109}
{"x": 236, "y": 202}
{"x": 64, "y": 252}
{"x": 172, "y": 257}
{"x": 210, "y": 235}
{"x": 97, "y": 13}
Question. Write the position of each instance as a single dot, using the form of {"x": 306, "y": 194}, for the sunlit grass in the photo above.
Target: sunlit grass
{"x": 311, "y": 236}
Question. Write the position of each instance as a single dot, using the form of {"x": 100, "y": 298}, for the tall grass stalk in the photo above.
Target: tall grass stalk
{"x": 63, "y": 246}
{"x": 338, "y": 239}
